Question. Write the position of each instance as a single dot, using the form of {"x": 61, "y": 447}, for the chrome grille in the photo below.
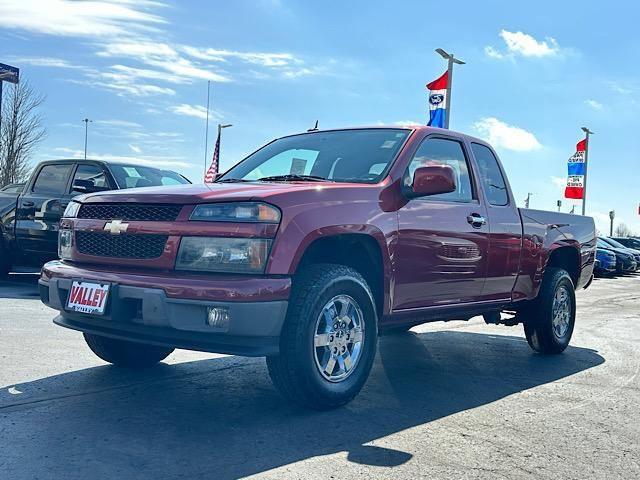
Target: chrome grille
{"x": 130, "y": 212}
{"x": 143, "y": 246}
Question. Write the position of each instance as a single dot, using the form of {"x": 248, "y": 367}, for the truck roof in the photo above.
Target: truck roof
{"x": 416, "y": 127}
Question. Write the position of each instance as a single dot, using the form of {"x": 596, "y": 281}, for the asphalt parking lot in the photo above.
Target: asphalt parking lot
{"x": 454, "y": 400}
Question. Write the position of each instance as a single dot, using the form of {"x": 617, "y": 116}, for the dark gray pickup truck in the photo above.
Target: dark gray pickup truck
{"x": 29, "y": 217}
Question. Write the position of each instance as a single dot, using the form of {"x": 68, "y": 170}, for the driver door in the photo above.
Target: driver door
{"x": 441, "y": 257}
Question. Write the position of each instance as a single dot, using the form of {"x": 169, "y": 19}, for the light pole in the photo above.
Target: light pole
{"x": 559, "y": 203}
{"x": 86, "y": 135}
{"x": 450, "y": 61}
{"x": 612, "y": 216}
{"x": 586, "y": 168}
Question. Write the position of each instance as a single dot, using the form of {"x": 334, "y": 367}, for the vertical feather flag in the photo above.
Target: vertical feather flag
{"x": 576, "y": 172}
{"x": 210, "y": 176}
{"x": 438, "y": 101}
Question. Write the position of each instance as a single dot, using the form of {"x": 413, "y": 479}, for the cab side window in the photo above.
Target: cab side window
{"x": 93, "y": 174}
{"x": 490, "y": 175}
{"x": 441, "y": 151}
{"x": 52, "y": 179}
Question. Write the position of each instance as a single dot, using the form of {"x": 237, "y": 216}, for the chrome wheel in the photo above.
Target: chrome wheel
{"x": 339, "y": 338}
{"x": 561, "y": 312}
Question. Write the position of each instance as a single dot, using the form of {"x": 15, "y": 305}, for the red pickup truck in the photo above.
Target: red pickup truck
{"x": 310, "y": 248}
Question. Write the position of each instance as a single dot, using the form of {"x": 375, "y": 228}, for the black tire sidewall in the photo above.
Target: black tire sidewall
{"x": 307, "y": 369}
{"x": 540, "y": 322}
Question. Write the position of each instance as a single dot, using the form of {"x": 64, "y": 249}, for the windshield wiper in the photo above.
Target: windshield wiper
{"x": 233, "y": 180}
{"x": 294, "y": 177}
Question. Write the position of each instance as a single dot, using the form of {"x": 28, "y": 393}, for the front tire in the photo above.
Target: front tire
{"x": 126, "y": 354}
{"x": 329, "y": 338}
{"x": 549, "y": 322}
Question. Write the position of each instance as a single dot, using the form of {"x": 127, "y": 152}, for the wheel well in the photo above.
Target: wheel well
{"x": 568, "y": 259}
{"x": 358, "y": 251}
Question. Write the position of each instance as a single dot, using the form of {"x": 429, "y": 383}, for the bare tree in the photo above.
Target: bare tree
{"x": 21, "y": 131}
{"x": 622, "y": 231}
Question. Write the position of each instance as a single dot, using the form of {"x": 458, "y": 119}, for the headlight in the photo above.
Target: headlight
{"x": 72, "y": 210}
{"x": 65, "y": 242}
{"x": 217, "y": 254}
{"x": 236, "y": 212}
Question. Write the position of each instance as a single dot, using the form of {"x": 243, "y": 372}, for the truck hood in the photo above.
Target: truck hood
{"x": 215, "y": 192}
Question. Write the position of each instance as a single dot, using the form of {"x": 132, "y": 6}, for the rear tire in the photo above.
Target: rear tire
{"x": 126, "y": 354}
{"x": 329, "y": 338}
{"x": 549, "y": 321}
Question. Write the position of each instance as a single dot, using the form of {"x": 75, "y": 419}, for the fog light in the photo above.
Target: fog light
{"x": 218, "y": 317}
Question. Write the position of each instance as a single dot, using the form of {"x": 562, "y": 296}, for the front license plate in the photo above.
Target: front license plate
{"x": 87, "y": 297}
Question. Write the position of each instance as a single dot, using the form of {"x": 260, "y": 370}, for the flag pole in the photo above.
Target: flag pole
{"x": 586, "y": 169}
{"x": 450, "y": 61}
{"x": 206, "y": 131}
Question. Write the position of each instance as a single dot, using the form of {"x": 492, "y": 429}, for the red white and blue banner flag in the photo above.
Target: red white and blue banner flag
{"x": 438, "y": 101}
{"x": 577, "y": 170}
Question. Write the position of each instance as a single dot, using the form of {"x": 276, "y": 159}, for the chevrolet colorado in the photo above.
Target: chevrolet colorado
{"x": 30, "y": 212}
{"x": 309, "y": 248}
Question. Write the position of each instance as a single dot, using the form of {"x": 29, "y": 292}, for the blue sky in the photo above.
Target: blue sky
{"x": 536, "y": 72}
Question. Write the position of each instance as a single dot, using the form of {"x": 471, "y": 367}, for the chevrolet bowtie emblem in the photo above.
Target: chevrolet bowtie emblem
{"x": 116, "y": 227}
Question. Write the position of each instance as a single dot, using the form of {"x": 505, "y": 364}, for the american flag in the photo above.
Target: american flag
{"x": 210, "y": 176}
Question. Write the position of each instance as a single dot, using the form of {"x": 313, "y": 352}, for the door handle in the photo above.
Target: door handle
{"x": 28, "y": 204}
{"x": 476, "y": 220}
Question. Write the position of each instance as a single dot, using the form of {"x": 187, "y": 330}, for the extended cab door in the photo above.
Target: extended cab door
{"x": 40, "y": 208}
{"x": 505, "y": 225}
{"x": 441, "y": 256}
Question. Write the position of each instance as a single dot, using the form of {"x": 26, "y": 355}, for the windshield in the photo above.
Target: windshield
{"x": 133, "y": 176}
{"x": 361, "y": 156}
{"x": 613, "y": 243}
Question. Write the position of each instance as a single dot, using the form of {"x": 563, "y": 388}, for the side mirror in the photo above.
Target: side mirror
{"x": 86, "y": 186}
{"x": 433, "y": 180}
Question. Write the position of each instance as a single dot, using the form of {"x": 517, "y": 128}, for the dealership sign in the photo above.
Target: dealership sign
{"x": 9, "y": 74}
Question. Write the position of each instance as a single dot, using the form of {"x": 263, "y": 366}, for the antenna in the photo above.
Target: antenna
{"x": 315, "y": 127}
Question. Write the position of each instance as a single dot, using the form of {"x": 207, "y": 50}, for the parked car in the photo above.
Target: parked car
{"x": 625, "y": 261}
{"x": 629, "y": 242}
{"x": 618, "y": 245}
{"x": 311, "y": 246}
{"x": 606, "y": 262}
{"x": 12, "y": 188}
{"x": 29, "y": 216}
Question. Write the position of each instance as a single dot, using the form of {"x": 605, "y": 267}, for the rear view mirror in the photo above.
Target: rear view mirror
{"x": 433, "y": 180}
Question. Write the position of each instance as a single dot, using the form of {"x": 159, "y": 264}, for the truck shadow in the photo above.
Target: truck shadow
{"x": 221, "y": 418}
{"x": 20, "y": 285}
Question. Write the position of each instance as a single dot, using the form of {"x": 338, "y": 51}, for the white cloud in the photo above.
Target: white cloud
{"x": 51, "y": 62}
{"x": 524, "y": 45}
{"x": 197, "y": 111}
{"x": 594, "y": 104}
{"x": 492, "y": 52}
{"x": 407, "y": 123}
{"x": 559, "y": 182}
{"x": 135, "y": 149}
{"x": 125, "y": 87}
{"x": 118, "y": 123}
{"x": 503, "y": 135}
{"x": 289, "y": 65}
{"x": 96, "y": 18}
{"x": 151, "y": 161}
{"x": 527, "y": 46}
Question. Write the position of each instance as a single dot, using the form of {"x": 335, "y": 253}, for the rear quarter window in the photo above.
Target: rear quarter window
{"x": 495, "y": 187}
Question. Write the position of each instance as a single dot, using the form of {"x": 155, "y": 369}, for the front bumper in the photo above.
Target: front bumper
{"x": 148, "y": 315}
